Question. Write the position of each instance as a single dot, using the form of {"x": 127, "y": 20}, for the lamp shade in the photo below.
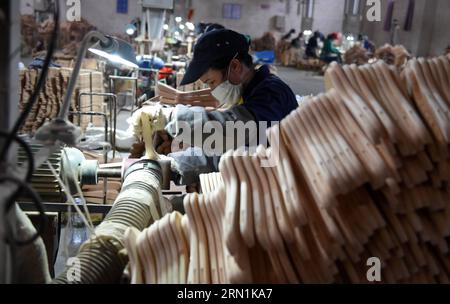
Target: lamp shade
{"x": 116, "y": 51}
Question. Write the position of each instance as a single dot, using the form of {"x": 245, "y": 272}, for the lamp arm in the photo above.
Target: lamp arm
{"x": 89, "y": 40}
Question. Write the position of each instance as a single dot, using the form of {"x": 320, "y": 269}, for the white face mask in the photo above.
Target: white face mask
{"x": 228, "y": 94}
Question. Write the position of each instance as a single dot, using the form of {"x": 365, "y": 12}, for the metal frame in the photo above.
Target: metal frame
{"x": 105, "y": 117}
{"x": 112, "y": 99}
{"x": 113, "y": 78}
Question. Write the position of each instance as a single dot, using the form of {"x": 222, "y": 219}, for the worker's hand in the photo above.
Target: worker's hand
{"x": 162, "y": 142}
{"x": 137, "y": 150}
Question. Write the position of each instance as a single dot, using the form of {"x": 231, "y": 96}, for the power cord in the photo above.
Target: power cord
{"x": 13, "y": 137}
{"x": 26, "y": 148}
{"x": 36, "y": 200}
{"x": 41, "y": 81}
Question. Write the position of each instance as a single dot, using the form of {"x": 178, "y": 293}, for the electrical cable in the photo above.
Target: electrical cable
{"x": 27, "y": 151}
{"x": 38, "y": 204}
{"x": 42, "y": 78}
{"x": 12, "y": 137}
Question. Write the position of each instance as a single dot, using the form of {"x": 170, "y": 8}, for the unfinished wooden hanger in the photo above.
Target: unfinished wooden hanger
{"x": 374, "y": 84}
{"x": 164, "y": 277}
{"x": 369, "y": 156}
{"x": 246, "y": 219}
{"x": 438, "y": 99}
{"x": 355, "y": 76}
{"x": 210, "y": 203}
{"x": 204, "y": 259}
{"x": 232, "y": 207}
{"x": 194, "y": 263}
{"x": 362, "y": 114}
{"x": 146, "y": 256}
{"x": 344, "y": 153}
{"x": 131, "y": 235}
{"x": 209, "y": 231}
{"x": 279, "y": 254}
{"x": 310, "y": 167}
{"x": 284, "y": 222}
{"x": 292, "y": 198}
{"x": 321, "y": 147}
{"x": 441, "y": 78}
{"x": 422, "y": 137}
{"x": 182, "y": 247}
{"x": 326, "y": 137}
{"x": 434, "y": 116}
{"x": 258, "y": 206}
{"x": 310, "y": 148}
{"x": 170, "y": 249}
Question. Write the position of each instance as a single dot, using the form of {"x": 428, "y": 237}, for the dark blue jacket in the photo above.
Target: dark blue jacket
{"x": 268, "y": 98}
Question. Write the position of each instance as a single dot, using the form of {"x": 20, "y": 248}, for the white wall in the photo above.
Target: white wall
{"x": 430, "y": 31}
{"x": 441, "y": 30}
{"x": 429, "y": 35}
{"x": 102, "y": 14}
{"x": 328, "y": 15}
{"x": 255, "y": 20}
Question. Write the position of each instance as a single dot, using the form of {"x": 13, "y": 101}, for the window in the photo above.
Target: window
{"x": 232, "y": 11}
{"x": 122, "y": 6}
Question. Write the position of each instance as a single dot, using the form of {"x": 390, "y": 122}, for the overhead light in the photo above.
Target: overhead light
{"x": 130, "y": 29}
{"x": 190, "y": 26}
{"x": 166, "y": 27}
{"x": 178, "y": 19}
{"x": 182, "y": 27}
{"x": 119, "y": 52}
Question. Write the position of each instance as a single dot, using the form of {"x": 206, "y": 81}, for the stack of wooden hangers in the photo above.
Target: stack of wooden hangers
{"x": 364, "y": 171}
{"x": 201, "y": 98}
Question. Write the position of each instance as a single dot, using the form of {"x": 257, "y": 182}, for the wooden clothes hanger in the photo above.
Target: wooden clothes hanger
{"x": 204, "y": 258}
{"x": 191, "y": 228}
{"x": 232, "y": 233}
{"x": 246, "y": 220}
{"x": 210, "y": 203}
{"x": 131, "y": 235}
{"x": 182, "y": 253}
{"x": 291, "y": 195}
{"x": 362, "y": 114}
{"x": 209, "y": 231}
{"x": 146, "y": 255}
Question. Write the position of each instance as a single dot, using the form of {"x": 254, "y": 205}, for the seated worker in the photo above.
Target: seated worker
{"x": 329, "y": 52}
{"x": 313, "y": 45}
{"x": 222, "y": 61}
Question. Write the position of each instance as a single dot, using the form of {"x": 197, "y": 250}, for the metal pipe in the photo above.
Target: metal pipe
{"x": 88, "y": 41}
{"x": 109, "y": 172}
{"x": 112, "y": 99}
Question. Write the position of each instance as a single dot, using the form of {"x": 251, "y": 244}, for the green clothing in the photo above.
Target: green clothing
{"x": 328, "y": 48}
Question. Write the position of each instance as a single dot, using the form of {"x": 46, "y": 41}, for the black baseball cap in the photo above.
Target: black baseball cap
{"x": 213, "y": 46}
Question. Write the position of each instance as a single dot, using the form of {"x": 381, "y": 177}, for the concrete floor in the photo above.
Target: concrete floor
{"x": 302, "y": 82}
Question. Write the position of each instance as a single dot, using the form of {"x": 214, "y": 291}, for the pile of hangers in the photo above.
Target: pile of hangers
{"x": 363, "y": 171}
{"x": 201, "y": 98}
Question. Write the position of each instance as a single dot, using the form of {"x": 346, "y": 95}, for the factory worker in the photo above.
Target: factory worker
{"x": 222, "y": 61}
